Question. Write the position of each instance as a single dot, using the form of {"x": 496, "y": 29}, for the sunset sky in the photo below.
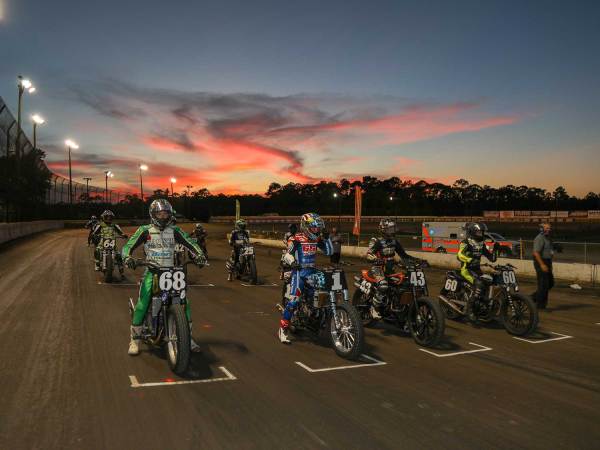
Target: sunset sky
{"x": 234, "y": 95}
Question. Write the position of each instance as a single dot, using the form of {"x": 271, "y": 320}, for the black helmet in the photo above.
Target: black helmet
{"x": 240, "y": 225}
{"x": 158, "y": 208}
{"x": 387, "y": 227}
{"x": 476, "y": 231}
{"x": 293, "y": 228}
{"x": 107, "y": 216}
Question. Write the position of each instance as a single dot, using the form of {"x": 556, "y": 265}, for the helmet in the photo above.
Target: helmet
{"x": 476, "y": 231}
{"x": 93, "y": 218}
{"x": 107, "y": 216}
{"x": 161, "y": 213}
{"x": 387, "y": 227}
{"x": 240, "y": 225}
{"x": 292, "y": 228}
{"x": 199, "y": 227}
{"x": 311, "y": 225}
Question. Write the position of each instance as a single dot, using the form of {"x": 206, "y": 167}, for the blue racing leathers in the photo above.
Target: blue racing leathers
{"x": 304, "y": 251}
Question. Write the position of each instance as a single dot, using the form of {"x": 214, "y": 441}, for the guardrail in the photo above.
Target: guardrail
{"x": 15, "y": 230}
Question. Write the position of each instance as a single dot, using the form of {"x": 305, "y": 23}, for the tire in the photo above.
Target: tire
{"x": 252, "y": 271}
{"x": 108, "y": 271}
{"x": 363, "y": 307}
{"x": 343, "y": 345}
{"x": 430, "y": 331}
{"x": 525, "y": 320}
{"x": 178, "y": 339}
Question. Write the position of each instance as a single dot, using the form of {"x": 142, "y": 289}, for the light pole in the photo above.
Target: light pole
{"x": 37, "y": 120}
{"x": 87, "y": 187}
{"x": 335, "y": 196}
{"x": 395, "y": 208}
{"x": 71, "y": 145}
{"x": 107, "y": 173}
{"x": 173, "y": 180}
{"x": 143, "y": 167}
{"x": 23, "y": 85}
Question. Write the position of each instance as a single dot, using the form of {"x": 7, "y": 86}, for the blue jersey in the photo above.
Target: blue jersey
{"x": 304, "y": 250}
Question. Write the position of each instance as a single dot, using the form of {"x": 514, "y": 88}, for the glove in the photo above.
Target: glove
{"x": 200, "y": 261}
{"x": 130, "y": 262}
{"x": 325, "y": 234}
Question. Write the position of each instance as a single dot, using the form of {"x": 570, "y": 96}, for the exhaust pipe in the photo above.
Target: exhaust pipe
{"x": 450, "y": 304}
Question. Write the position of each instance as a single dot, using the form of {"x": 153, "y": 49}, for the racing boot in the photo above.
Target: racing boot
{"x": 376, "y": 306}
{"x": 134, "y": 343}
{"x": 284, "y": 333}
{"x": 195, "y": 348}
{"x": 97, "y": 267}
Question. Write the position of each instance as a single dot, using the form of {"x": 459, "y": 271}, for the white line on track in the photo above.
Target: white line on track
{"x": 118, "y": 283}
{"x": 541, "y": 341}
{"x": 202, "y": 285}
{"x": 375, "y": 362}
{"x": 228, "y": 377}
{"x": 259, "y": 285}
{"x": 482, "y": 348}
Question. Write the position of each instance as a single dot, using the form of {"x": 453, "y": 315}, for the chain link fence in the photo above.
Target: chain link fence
{"x": 59, "y": 185}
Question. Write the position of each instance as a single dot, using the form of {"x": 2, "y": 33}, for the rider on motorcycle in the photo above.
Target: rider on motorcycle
{"x": 239, "y": 237}
{"x": 301, "y": 254}
{"x": 200, "y": 233}
{"x": 91, "y": 224}
{"x": 469, "y": 254}
{"x": 105, "y": 229}
{"x": 159, "y": 239}
{"x": 381, "y": 253}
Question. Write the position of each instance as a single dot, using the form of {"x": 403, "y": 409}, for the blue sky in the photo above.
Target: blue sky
{"x": 233, "y": 95}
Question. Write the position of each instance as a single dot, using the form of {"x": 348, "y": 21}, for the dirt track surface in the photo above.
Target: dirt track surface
{"x": 66, "y": 374}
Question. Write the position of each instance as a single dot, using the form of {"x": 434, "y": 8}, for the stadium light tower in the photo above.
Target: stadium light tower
{"x": 37, "y": 120}
{"x": 107, "y": 174}
{"x": 70, "y": 145}
{"x": 143, "y": 167}
{"x": 173, "y": 180}
{"x": 23, "y": 84}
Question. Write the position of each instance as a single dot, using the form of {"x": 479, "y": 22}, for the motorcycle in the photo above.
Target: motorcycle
{"x": 501, "y": 301}
{"x": 110, "y": 257}
{"x": 324, "y": 306}
{"x": 165, "y": 324}
{"x": 246, "y": 264}
{"x": 406, "y": 303}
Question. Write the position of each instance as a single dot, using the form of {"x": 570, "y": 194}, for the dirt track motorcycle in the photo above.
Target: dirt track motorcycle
{"x": 109, "y": 258}
{"x": 166, "y": 324}
{"x": 501, "y": 300}
{"x": 324, "y": 307}
{"x": 245, "y": 266}
{"x": 406, "y": 304}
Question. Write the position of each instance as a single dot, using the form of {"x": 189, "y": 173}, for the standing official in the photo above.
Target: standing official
{"x": 543, "y": 253}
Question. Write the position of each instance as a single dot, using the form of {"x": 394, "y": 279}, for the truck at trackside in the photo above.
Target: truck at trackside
{"x": 445, "y": 237}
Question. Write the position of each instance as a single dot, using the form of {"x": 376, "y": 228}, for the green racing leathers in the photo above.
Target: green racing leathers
{"x": 102, "y": 231}
{"x": 159, "y": 247}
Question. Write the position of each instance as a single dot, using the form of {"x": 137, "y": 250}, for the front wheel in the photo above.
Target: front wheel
{"x": 361, "y": 302}
{"x": 108, "y": 269}
{"x": 178, "y": 339}
{"x": 252, "y": 270}
{"x": 519, "y": 314}
{"x": 426, "y": 322}
{"x": 347, "y": 334}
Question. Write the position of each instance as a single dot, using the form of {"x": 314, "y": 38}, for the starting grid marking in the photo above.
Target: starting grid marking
{"x": 375, "y": 362}
{"x": 118, "y": 283}
{"x": 541, "y": 341}
{"x": 228, "y": 377}
{"x": 482, "y": 348}
{"x": 259, "y": 285}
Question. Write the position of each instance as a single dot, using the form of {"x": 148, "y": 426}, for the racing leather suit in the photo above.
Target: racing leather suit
{"x": 159, "y": 247}
{"x": 469, "y": 255}
{"x": 103, "y": 231}
{"x": 304, "y": 251}
{"x": 381, "y": 252}
{"x": 237, "y": 240}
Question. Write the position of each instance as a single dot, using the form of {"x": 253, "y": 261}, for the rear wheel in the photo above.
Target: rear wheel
{"x": 178, "y": 339}
{"x": 108, "y": 270}
{"x": 520, "y": 318}
{"x": 426, "y": 321}
{"x": 347, "y": 334}
{"x": 360, "y": 301}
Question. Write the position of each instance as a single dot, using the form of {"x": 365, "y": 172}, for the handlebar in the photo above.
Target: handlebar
{"x": 499, "y": 267}
{"x": 153, "y": 265}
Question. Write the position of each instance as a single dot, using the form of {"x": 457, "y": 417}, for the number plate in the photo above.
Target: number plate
{"x": 417, "y": 278}
{"x": 335, "y": 281}
{"x": 109, "y": 243}
{"x": 249, "y": 251}
{"x": 172, "y": 281}
{"x": 509, "y": 278}
{"x": 451, "y": 284}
